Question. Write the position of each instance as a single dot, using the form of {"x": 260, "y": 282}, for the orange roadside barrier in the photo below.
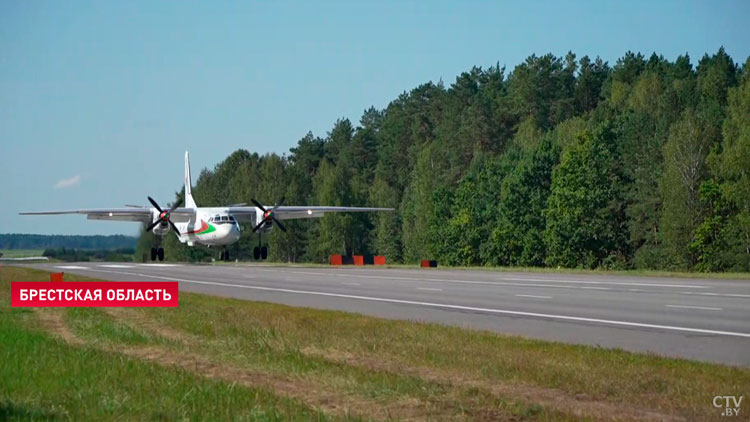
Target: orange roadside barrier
{"x": 336, "y": 260}
{"x": 56, "y": 277}
{"x": 378, "y": 260}
{"x": 359, "y": 259}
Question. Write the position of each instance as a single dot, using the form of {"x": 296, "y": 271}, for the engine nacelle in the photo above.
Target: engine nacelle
{"x": 260, "y": 218}
{"x": 162, "y": 228}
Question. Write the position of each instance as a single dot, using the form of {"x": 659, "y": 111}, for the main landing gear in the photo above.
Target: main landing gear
{"x": 260, "y": 252}
{"x": 157, "y": 253}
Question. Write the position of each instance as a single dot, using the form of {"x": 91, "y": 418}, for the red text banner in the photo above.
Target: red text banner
{"x": 94, "y": 294}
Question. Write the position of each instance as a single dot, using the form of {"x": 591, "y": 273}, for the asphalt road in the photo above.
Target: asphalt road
{"x": 691, "y": 318}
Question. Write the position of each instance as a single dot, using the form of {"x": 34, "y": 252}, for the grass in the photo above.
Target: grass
{"x": 45, "y": 378}
{"x": 21, "y": 253}
{"x": 262, "y": 361}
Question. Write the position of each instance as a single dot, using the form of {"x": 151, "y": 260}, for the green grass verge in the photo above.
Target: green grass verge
{"x": 21, "y": 253}
{"x": 43, "y": 378}
{"x": 422, "y": 371}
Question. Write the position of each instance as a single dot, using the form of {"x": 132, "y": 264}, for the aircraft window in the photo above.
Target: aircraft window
{"x": 231, "y": 219}
{"x": 211, "y": 220}
{"x": 224, "y": 218}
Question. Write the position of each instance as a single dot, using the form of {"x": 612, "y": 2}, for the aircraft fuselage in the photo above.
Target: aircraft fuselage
{"x": 210, "y": 227}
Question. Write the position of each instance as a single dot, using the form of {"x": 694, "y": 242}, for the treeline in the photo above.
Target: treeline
{"x": 81, "y": 255}
{"x": 39, "y": 241}
{"x": 561, "y": 162}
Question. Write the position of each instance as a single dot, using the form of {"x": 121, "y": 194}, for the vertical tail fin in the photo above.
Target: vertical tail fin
{"x": 189, "y": 202}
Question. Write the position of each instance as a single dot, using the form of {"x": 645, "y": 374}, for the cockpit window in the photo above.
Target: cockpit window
{"x": 222, "y": 219}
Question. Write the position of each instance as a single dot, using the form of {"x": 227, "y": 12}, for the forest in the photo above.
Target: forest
{"x": 560, "y": 162}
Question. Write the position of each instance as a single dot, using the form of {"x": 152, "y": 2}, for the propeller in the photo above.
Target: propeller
{"x": 163, "y": 215}
{"x": 268, "y": 216}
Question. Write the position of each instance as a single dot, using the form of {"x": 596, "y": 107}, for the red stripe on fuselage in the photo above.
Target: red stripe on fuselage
{"x": 203, "y": 228}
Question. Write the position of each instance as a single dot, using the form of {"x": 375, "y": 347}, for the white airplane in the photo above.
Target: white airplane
{"x": 210, "y": 226}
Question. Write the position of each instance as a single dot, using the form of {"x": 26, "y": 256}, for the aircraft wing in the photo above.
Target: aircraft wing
{"x": 295, "y": 212}
{"x": 143, "y": 215}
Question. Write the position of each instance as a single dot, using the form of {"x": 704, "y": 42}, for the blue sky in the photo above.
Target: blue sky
{"x": 99, "y": 100}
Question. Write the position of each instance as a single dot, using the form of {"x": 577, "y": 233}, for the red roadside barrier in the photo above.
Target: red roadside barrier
{"x": 356, "y": 260}
{"x": 56, "y": 277}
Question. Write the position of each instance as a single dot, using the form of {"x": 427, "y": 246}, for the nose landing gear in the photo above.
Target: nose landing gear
{"x": 224, "y": 255}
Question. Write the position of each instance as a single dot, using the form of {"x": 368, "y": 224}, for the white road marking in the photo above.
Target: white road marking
{"x": 535, "y": 296}
{"x": 442, "y": 280}
{"x": 496, "y": 283}
{"x": 715, "y": 294}
{"x": 116, "y": 266}
{"x": 71, "y": 267}
{"x": 449, "y": 306}
{"x": 160, "y": 265}
{"x": 706, "y": 308}
{"x": 617, "y": 283}
{"x": 686, "y": 286}
{"x": 623, "y": 283}
{"x": 350, "y": 283}
{"x": 430, "y": 288}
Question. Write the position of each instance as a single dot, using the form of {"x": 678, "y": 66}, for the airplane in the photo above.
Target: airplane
{"x": 209, "y": 226}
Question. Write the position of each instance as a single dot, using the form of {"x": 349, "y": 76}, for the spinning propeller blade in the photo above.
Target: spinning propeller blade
{"x": 163, "y": 215}
{"x": 268, "y": 217}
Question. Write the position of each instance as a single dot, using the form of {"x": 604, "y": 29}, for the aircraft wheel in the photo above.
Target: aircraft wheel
{"x": 256, "y": 253}
{"x": 264, "y": 252}
{"x": 153, "y": 254}
{"x": 160, "y": 252}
